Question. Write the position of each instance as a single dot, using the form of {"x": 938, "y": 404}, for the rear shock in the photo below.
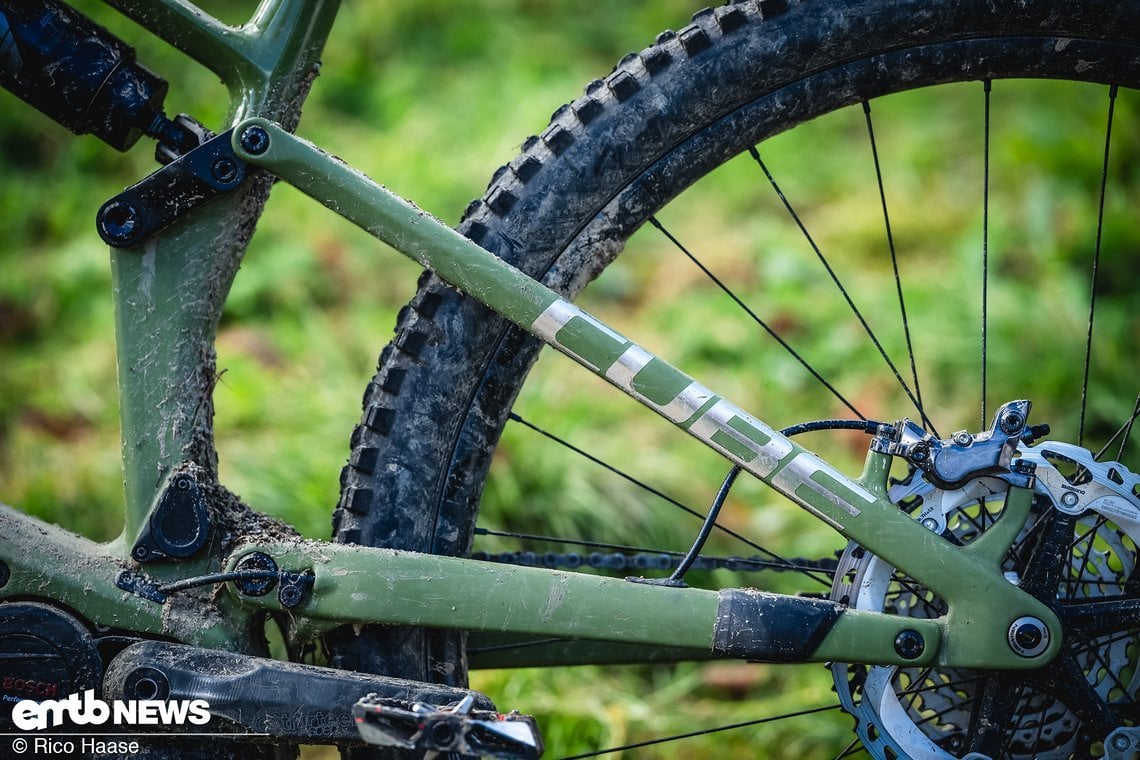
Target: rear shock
{"x": 83, "y": 77}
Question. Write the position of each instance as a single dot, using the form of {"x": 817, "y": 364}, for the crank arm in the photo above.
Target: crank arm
{"x": 256, "y": 696}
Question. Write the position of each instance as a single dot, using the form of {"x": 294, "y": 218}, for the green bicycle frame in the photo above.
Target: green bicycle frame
{"x": 169, "y": 294}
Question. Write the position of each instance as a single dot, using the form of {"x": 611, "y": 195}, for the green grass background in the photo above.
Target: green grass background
{"x": 429, "y": 97}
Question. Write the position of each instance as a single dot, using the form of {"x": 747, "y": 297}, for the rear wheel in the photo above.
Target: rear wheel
{"x": 902, "y": 252}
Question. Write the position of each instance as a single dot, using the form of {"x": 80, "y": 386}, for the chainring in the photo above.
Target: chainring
{"x": 926, "y": 712}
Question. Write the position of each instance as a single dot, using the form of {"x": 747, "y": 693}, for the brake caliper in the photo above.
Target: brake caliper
{"x": 952, "y": 463}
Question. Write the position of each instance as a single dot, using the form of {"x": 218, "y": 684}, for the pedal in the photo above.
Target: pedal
{"x": 454, "y": 728}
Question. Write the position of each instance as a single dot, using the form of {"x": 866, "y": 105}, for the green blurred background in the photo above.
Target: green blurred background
{"x": 429, "y": 97}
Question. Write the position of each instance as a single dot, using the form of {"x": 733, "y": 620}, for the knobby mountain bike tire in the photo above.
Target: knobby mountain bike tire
{"x": 607, "y": 164}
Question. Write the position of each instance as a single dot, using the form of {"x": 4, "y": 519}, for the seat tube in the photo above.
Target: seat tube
{"x": 169, "y": 291}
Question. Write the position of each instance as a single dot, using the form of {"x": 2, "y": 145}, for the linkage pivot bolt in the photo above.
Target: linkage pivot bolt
{"x": 909, "y": 644}
{"x": 262, "y": 574}
{"x": 255, "y": 140}
{"x": 225, "y": 170}
{"x": 118, "y": 222}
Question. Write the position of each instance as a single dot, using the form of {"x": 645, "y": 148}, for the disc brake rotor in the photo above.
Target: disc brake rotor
{"x": 926, "y": 712}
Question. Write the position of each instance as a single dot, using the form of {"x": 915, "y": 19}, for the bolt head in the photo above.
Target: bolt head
{"x": 1011, "y": 422}
{"x": 255, "y": 140}
{"x": 225, "y": 170}
{"x": 1028, "y": 636}
{"x": 289, "y": 596}
{"x": 962, "y": 438}
{"x": 909, "y": 644}
{"x": 256, "y": 586}
{"x": 443, "y": 735}
{"x": 119, "y": 222}
{"x": 1121, "y": 743}
{"x": 1070, "y": 499}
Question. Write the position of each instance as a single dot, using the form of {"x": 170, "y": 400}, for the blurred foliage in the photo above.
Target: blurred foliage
{"x": 430, "y": 97}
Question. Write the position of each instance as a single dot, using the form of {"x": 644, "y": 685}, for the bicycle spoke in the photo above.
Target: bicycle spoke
{"x": 1102, "y": 641}
{"x": 703, "y": 732}
{"x": 936, "y": 686}
{"x": 1089, "y": 536}
{"x": 988, "y": 86}
{"x": 915, "y": 693}
{"x": 939, "y": 715}
{"x": 894, "y": 257}
{"x": 1071, "y": 583}
{"x": 1096, "y": 262}
{"x": 842, "y": 289}
{"x": 1128, "y": 430}
{"x": 1101, "y": 520}
{"x": 977, "y": 524}
{"x": 756, "y": 318}
{"x": 1024, "y": 694}
{"x": 1124, "y": 430}
{"x": 906, "y": 587}
{"x": 851, "y": 749}
{"x": 1096, "y": 653}
{"x": 650, "y": 489}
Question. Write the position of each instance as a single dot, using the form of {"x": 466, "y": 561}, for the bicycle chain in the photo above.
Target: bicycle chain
{"x": 643, "y": 561}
